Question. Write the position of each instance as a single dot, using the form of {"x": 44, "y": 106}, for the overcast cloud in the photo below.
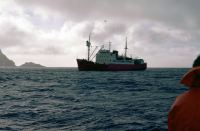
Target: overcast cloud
{"x": 165, "y": 33}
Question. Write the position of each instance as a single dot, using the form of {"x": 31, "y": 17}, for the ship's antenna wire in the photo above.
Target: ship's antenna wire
{"x": 96, "y": 53}
{"x": 93, "y": 51}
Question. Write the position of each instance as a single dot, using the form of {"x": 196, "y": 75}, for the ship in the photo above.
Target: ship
{"x": 107, "y": 60}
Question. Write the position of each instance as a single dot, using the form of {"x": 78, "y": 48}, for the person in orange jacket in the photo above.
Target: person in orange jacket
{"x": 185, "y": 111}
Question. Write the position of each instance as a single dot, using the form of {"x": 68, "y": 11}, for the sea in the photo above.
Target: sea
{"x": 65, "y": 99}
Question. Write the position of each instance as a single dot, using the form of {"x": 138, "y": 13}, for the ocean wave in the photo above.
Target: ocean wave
{"x": 66, "y": 99}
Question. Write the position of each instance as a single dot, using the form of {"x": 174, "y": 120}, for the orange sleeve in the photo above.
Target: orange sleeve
{"x": 172, "y": 114}
{"x": 171, "y": 119}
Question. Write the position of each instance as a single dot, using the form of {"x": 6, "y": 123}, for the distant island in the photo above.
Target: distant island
{"x": 31, "y": 65}
{"x": 6, "y": 62}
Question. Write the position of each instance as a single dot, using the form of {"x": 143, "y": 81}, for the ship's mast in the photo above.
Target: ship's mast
{"x": 125, "y": 48}
{"x": 88, "y": 44}
{"x": 109, "y": 45}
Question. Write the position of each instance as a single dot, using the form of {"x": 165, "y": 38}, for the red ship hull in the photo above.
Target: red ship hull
{"x": 84, "y": 65}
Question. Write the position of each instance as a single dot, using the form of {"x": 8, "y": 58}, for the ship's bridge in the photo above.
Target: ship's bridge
{"x": 105, "y": 57}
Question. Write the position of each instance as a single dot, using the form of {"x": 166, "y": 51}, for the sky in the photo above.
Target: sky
{"x": 165, "y": 33}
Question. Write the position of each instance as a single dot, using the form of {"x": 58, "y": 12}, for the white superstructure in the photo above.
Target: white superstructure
{"x": 105, "y": 57}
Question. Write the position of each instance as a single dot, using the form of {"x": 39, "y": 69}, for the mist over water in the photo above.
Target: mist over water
{"x": 66, "y": 99}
